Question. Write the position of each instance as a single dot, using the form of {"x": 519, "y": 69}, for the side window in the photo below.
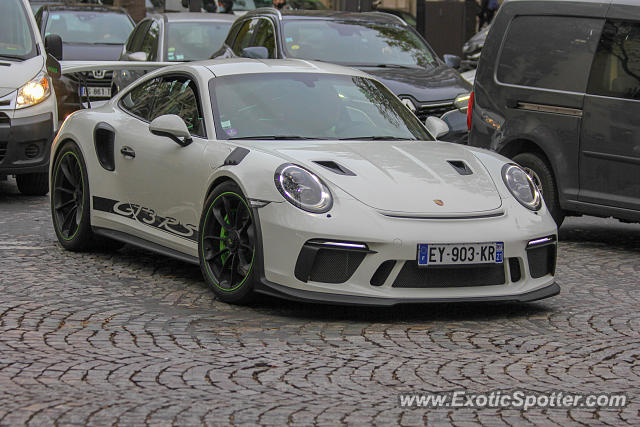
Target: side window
{"x": 616, "y": 67}
{"x": 559, "y": 60}
{"x": 139, "y": 101}
{"x": 265, "y": 36}
{"x": 244, "y": 36}
{"x": 135, "y": 40}
{"x": 150, "y": 43}
{"x": 179, "y": 95}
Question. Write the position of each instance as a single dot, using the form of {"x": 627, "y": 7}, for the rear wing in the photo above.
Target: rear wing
{"x": 56, "y": 68}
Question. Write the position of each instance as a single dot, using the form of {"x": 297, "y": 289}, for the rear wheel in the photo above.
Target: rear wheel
{"x": 227, "y": 244}
{"x": 33, "y": 184}
{"x": 541, "y": 175}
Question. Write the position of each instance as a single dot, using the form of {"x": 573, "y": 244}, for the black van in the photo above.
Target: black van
{"x": 558, "y": 91}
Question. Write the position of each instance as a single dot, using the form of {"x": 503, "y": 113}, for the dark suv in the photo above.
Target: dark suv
{"x": 558, "y": 91}
{"x": 377, "y": 43}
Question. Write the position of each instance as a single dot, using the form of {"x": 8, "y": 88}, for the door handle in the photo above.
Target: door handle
{"x": 128, "y": 152}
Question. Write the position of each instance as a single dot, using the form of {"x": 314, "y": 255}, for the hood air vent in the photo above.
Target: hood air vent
{"x": 334, "y": 167}
{"x": 460, "y": 167}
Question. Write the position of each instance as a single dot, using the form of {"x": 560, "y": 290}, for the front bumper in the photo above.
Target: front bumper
{"x": 285, "y": 231}
{"x": 25, "y": 143}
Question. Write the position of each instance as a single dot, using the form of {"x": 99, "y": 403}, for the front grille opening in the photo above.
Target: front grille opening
{"x": 542, "y": 261}
{"x": 327, "y": 264}
{"x": 4, "y": 119}
{"x": 335, "y": 266}
{"x": 382, "y": 273}
{"x": 433, "y": 110}
{"x": 514, "y": 270}
{"x": 412, "y": 276}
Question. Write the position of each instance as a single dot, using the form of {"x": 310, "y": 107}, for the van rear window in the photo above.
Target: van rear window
{"x": 549, "y": 52}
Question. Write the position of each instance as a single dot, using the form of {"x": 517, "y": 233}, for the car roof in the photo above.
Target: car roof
{"x": 330, "y": 15}
{"x": 194, "y": 17}
{"x": 234, "y": 66}
{"x": 82, "y": 7}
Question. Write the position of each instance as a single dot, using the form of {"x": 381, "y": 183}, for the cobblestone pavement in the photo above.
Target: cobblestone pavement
{"x": 133, "y": 338}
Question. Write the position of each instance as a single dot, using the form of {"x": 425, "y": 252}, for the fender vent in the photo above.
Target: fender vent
{"x": 460, "y": 167}
{"x": 334, "y": 167}
{"x": 104, "y": 137}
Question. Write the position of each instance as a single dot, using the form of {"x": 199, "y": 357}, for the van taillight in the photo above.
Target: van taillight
{"x": 470, "y": 111}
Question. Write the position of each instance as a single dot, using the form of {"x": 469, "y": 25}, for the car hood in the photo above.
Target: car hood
{"x": 91, "y": 52}
{"x": 424, "y": 85}
{"x": 17, "y": 74}
{"x": 400, "y": 176}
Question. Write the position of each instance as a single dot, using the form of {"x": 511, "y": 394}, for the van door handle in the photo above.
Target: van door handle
{"x": 128, "y": 152}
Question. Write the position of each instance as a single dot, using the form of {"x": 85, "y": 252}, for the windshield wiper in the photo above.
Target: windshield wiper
{"x": 14, "y": 57}
{"x": 276, "y": 137}
{"x": 377, "y": 138}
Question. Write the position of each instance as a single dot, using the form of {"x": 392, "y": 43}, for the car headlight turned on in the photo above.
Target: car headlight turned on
{"x": 521, "y": 186}
{"x": 303, "y": 189}
{"x": 34, "y": 92}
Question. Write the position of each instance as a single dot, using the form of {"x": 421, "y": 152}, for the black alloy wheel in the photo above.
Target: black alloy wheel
{"x": 227, "y": 244}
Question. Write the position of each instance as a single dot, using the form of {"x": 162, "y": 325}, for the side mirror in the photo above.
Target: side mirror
{"x": 436, "y": 126}
{"x": 173, "y": 127}
{"x": 137, "y": 56}
{"x": 53, "y": 46}
{"x": 452, "y": 61}
{"x": 256, "y": 52}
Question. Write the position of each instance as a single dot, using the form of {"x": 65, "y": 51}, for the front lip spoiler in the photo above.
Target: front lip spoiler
{"x": 279, "y": 291}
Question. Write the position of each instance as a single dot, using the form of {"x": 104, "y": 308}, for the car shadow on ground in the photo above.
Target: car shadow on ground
{"x": 601, "y": 232}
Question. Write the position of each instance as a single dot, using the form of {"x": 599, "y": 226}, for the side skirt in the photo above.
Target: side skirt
{"x": 145, "y": 244}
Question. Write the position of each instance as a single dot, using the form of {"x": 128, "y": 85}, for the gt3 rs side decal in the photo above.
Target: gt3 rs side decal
{"x": 146, "y": 216}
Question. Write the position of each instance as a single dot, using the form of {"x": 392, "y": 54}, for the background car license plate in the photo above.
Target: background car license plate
{"x": 96, "y": 92}
{"x": 460, "y": 253}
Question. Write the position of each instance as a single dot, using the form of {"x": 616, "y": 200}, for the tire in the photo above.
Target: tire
{"x": 70, "y": 204}
{"x": 227, "y": 244}
{"x": 33, "y": 184}
{"x": 541, "y": 174}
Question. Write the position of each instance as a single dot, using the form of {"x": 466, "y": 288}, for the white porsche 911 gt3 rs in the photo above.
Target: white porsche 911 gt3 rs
{"x": 302, "y": 180}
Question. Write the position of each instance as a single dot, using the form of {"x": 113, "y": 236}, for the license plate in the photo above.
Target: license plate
{"x": 460, "y": 253}
{"x": 96, "y": 92}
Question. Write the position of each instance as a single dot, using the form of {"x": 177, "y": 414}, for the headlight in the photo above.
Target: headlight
{"x": 303, "y": 189}
{"x": 522, "y": 187}
{"x": 34, "y": 92}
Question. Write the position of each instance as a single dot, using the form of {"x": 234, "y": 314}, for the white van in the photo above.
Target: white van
{"x": 28, "y": 112}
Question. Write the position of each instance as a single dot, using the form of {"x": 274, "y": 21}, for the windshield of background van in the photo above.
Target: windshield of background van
{"x": 16, "y": 39}
{"x": 194, "y": 41}
{"x": 355, "y": 43}
{"x": 309, "y": 106}
{"x": 89, "y": 27}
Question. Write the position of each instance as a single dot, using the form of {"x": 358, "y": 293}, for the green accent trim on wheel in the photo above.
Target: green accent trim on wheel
{"x": 54, "y": 189}
{"x": 222, "y": 245}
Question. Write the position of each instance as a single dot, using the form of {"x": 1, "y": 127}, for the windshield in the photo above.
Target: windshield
{"x": 16, "y": 38}
{"x": 194, "y": 41}
{"x": 355, "y": 43}
{"x": 89, "y": 27}
{"x": 309, "y": 106}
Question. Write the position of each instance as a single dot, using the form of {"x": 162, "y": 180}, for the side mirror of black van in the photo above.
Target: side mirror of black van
{"x": 452, "y": 61}
{"x": 53, "y": 46}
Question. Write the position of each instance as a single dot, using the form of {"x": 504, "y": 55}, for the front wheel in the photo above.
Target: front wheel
{"x": 70, "y": 199}
{"x": 227, "y": 244}
{"x": 542, "y": 177}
